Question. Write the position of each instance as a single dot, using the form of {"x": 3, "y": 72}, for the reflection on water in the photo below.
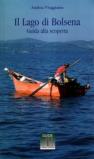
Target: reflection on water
{"x": 55, "y": 101}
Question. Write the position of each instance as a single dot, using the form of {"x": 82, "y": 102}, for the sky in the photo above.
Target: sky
{"x": 71, "y": 9}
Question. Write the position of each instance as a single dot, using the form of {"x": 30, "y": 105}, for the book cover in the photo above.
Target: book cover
{"x": 47, "y": 106}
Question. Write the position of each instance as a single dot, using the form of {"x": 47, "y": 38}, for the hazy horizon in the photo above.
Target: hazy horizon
{"x": 45, "y": 40}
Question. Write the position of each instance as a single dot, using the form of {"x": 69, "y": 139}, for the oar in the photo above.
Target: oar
{"x": 39, "y": 88}
{"x": 75, "y": 62}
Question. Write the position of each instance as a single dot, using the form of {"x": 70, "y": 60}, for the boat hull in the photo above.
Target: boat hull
{"x": 27, "y": 86}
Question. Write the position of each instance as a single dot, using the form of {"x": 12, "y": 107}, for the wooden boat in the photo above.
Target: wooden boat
{"x": 31, "y": 87}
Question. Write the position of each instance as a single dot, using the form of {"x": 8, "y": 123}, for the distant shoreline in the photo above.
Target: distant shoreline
{"x": 29, "y": 38}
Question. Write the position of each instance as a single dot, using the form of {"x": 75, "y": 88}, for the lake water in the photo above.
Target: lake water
{"x": 22, "y": 121}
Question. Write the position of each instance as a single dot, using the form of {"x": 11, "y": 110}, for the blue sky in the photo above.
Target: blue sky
{"x": 73, "y": 9}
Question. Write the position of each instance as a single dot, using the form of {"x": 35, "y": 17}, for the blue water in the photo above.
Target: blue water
{"x": 22, "y": 121}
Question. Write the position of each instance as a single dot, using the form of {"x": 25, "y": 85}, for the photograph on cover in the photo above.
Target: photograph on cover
{"x": 46, "y": 79}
